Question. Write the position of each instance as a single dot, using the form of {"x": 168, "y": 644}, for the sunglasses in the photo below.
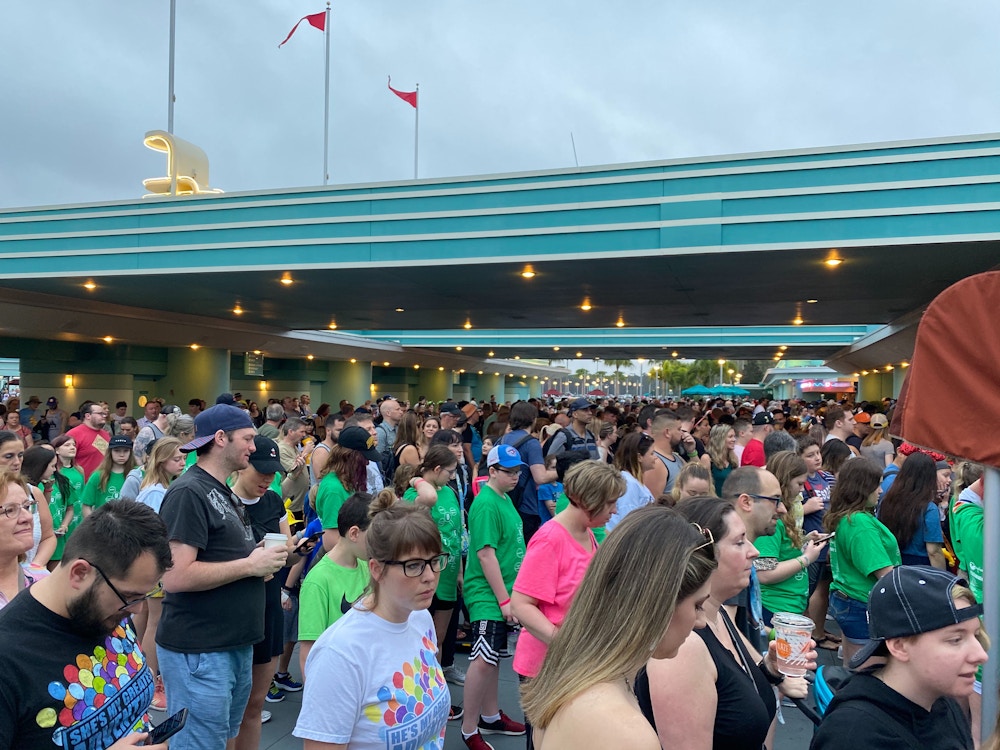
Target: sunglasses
{"x": 707, "y": 533}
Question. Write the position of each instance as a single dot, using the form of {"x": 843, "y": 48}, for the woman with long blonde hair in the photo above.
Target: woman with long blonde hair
{"x": 722, "y": 451}
{"x": 584, "y": 703}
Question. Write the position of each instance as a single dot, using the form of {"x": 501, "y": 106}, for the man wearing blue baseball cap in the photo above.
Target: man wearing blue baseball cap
{"x": 213, "y": 612}
{"x": 496, "y": 548}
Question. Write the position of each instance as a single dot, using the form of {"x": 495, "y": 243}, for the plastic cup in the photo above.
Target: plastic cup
{"x": 275, "y": 540}
{"x": 792, "y": 633}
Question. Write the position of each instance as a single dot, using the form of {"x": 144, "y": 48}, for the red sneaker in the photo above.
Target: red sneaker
{"x": 503, "y": 725}
{"x": 476, "y": 742}
{"x": 159, "y": 696}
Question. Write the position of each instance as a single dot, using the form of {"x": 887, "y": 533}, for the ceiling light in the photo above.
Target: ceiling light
{"x": 833, "y": 262}
{"x": 777, "y": 359}
{"x": 887, "y": 368}
{"x": 673, "y": 354}
{"x": 797, "y": 321}
{"x": 108, "y": 339}
{"x": 90, "y": 285}
{"x": 555, "y": 348}
{"x": 385, "y": 364}
{"x": 782, "y": 347}
{"x": 496, "y": 374}
{"x": 287, "y": 279}
{"x": 256, "y": 351}
{"x": 237, "y": 310}
{"x": 904, "y": 364}
{"x": 586, "y": 306}
{"x": 855, "y": 374}
{"x": 489, "y": 353}
{"x": 440, "y": 369}
{"x": 462, "y": 370}
{"x": 310, "y": 357}
{"x": 458, "y": 348}
{"x": 864, "y": 372}
{"x": 579, "y": 354}
{"x": 517, "y": 356}
{"x": 480, "y": 372}
{"x": 416, "y": 367}
{"x": 354, "y": 361}
{"x": 333, "y": 325}
{"x": 620, "y": 323}
{"x": 722, "y": 362}
{"x": 812, "y": 301}
{"x": 400, "y": 309}
{"x": 528, "y": 272}
{"x": 468, "y": 325}
{"x": 195, "y": 347}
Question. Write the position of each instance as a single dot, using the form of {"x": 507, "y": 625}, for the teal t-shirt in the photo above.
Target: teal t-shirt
{"x": 493, "y": 522}
{"x": 792, "y": 594}
{"x": 447, "y": 514}
{"x": 95, "y": 497}
{"x": 862, "y": 546}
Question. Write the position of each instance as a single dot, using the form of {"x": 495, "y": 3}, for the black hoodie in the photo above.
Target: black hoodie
{"x": 867, "y": 713}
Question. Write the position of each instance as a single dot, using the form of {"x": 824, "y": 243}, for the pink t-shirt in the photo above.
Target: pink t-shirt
{"x": 551, "y": 571}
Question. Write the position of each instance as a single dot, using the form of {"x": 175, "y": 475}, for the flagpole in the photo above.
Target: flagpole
{"x": 326, "y": 102}
{"x": 170, "y": 74}
{"x": 416, "y": 133}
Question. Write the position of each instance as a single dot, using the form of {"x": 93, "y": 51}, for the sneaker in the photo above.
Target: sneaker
{"x": 476, "y": 742}
{"x": 503, "y": 725}
{"x": 455, "y": 713}
{"x": 454, "y": 675}
{"x": 265, "y": 716}
{"x": 284, "y": 681}
{"x": 275, "y": 694}
{"x": 159, "y": 696}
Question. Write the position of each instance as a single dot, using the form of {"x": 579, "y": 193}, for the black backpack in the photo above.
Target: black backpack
{"x": 387, "y": 460}
{"x": 573, "y": 442}
{"x": 522, "y": 481}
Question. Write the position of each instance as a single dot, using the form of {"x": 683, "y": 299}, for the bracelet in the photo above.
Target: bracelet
{"x": 692, "y": 454}
{"x": 505, "y": 602}
{"x": 417, "y": 479}
{"x": 803, "y": 563}
{"x": 774, "y": 679}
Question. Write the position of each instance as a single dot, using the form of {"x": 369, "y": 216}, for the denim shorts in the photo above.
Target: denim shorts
{"x": 214, "y": 687}
{"x": 852, "y": 617}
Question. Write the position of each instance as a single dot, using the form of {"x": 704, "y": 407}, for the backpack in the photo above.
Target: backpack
{"x": 573, "y": 442}
{"x": 387, "y": 462}
{"x": 522, "y": 481}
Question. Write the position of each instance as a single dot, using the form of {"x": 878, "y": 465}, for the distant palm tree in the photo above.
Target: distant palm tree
{"x": 618, "y": 364}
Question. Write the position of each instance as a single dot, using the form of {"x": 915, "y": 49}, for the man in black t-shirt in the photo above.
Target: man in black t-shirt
{"x": 71, "y": 671}
{"x": 213, "y": 612}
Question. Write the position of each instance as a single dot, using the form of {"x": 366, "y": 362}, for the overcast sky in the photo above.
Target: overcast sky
{"x": 502, "y": 85}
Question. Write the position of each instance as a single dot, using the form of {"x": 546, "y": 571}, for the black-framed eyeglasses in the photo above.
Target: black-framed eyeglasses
{"x": 415, "y": 568}
{"x": 773, "y": 498}
{"x": 126, "y": 603}
{"x": 509, "y": 472}
{"x": 12, "y": 510}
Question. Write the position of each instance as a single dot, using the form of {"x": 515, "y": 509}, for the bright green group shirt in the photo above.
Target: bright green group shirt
{"x": 792, "y": 594}
{"x": 862, "y": 546}
{"x": 447, "y": 514}
{"x": 493, "y": 522}
{"x": 95, "y": 497}
{"x": 967, "y": 535}
{"x": 330, "y": 495}
{"x": 75, "y": 477}
{"x": 327, "y": 595}
{"x": 562, "y": 503}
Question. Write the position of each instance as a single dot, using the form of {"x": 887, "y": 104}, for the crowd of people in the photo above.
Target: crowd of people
{"x": 630, "y": 556}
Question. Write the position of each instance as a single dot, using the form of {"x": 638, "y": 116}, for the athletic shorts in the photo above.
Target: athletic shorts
{"x": 437, "y": 605}
{"x": 489, "y": 641}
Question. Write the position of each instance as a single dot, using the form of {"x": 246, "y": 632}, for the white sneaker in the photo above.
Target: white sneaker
{"x": 454, "y": 675}
{"x": 265, "y": 716}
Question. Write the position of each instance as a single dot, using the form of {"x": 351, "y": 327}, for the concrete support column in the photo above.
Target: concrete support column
{"x": 435, "y": 384}
{"x": 515, "y": 389}
{"x": 898, "y": 375}
{"x": 347, "y": 380}
{"x": 487, "y": 385}
{"x": 202, "y": 373}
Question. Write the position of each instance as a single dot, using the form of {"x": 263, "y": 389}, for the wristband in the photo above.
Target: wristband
{"x": 803, "y": 562}
{"x": 692, "y": 454}
{"x": 774, "y": 679}
{"x": 505, "y": 602}
{"x": 417, "y": 479}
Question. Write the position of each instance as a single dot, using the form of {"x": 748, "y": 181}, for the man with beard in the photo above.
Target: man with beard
{"x": 72, "y": 674}
{"x": 213, "y": 612}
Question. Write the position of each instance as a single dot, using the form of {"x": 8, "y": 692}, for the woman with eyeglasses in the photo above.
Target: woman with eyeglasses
{"x": 374, "y": 676}
{"x": 16, "y": 520}
{"x": 582, "y": 696}
{"x": 43, "y": 532}
{"x": 428, "y": 486}
{"x": 716, "y": 694}
{"x": 862, "y": 551}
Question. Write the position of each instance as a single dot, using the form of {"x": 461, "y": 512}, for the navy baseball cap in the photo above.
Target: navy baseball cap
{"x": 219, "y": 417}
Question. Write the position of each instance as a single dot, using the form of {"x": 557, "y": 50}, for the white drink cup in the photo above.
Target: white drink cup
{"x": 275, "y": 540}
{"x": 792, "y": 633}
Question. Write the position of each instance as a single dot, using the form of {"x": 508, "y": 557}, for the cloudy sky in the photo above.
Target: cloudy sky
{"x": 502, "y": 85}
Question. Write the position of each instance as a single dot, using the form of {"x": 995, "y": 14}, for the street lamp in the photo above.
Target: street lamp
{"x": 721, "y": 363}
{"x": 642, "y": 373}
{"x": 731, "y": 372}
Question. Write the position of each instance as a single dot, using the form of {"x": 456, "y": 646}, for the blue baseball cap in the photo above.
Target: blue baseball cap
{"x": 219, "y": 417}
{"x": 505, "y": 456}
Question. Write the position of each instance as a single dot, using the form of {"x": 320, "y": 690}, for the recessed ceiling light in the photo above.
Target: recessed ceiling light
{"x": 812, "y": 301}
{"x": 385, "y": 364}
{"x": 310, "y": 357}
{"x": 462, "y": 370}
{"x": 782, "y": 347}
{"x": 586, "y": 306}
{"x": 528, "y": 272}
{"x": 579, "y": 354}
{"x": 904, "y": 364}
{"x": 620, "y": 323}
{"x": 458, "y": 348}
{"x": 256, "y": 351}
{"x": 468, "y": 325}
{"x": 496, "y": 374}
{"x": 797, "y": 320}
{"x": 489, "y": 353}
{"x": 400, "y": 309}
{"x": 440, "y": 369}
{"x": 833, "y": 261}
{"x": 237, "y": 310}
{"x": 108, "y": 339}
{"x": 555, "y": 348}
{"x": 480, "y": 372}
{"x": 416, "y": 367}
{"x": 673, "y": 354}
{"x": 354, "y": 361}
{"x": 517, "y": 356}
{"x": 196, "y": 347}
{"x": 287, "y": 279}
{"x": 333, "y": 325}
{"x": 89, "y": 285}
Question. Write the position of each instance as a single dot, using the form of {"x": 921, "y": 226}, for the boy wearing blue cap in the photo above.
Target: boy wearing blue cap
{"x": 496, "y": 548}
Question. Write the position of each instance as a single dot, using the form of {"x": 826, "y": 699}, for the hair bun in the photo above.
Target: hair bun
{"x": 382, "y": 501}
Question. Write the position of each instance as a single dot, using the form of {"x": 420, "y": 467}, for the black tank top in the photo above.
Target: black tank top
{"x": 746, "y": 706}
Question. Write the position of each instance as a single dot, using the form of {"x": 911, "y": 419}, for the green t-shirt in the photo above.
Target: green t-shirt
{"x": 190, "y": 459}
{"x": 967, "y": 536}
{"x": 58, "y": 505}
{"x": 76, "y": 481}
{"x": 447, "y": 514}
{"x": 862, "y": 546}
{"x": 95, "y": 497}
{"x": 330, "y": 495}
{"x": 493, "y": 522}
{"x": 562, "y": 503}
{"x": 792, "y": 594}
{"x": 327, "y": 594}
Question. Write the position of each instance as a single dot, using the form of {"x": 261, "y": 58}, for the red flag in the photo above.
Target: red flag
{"x": 316, "y": 20}
{"x": 410, "y": 97}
